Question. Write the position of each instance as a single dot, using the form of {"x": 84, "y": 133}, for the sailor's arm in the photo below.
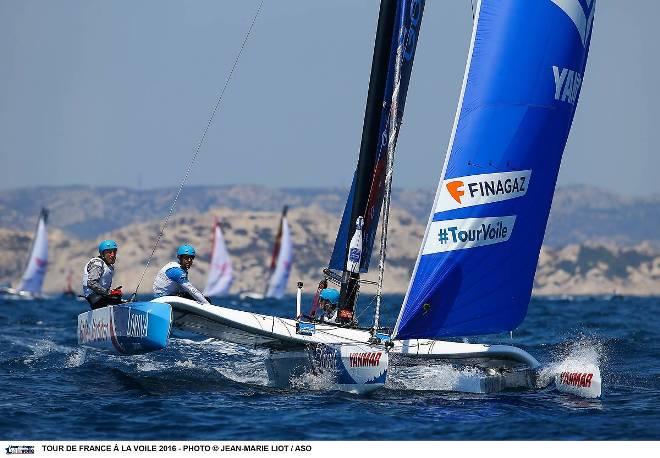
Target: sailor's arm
{"x": 178, "y": 275}
{"x": 194, "y": 292}
{"x": 94, "y": 273}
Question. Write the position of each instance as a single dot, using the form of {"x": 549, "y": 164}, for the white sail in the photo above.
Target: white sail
{"x": 280, "y": 277}
{"x": 221, "y": 274}
{"x": 35, "y": 271}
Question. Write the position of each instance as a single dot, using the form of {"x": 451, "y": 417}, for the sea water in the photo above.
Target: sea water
{"x": 210, "y": 390}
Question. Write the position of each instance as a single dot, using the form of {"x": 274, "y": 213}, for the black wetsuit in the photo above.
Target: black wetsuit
{"x": 96, "y": 301}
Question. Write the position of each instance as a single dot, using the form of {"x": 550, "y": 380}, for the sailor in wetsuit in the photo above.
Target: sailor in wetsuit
{"x": 97, "y": 277}
{"x": 172, "y": 279}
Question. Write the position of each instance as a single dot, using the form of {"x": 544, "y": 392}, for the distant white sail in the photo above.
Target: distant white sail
{"x": 35, "y": 271}
{"x": 221, "y": 274}
{"x": 280, "y": 274}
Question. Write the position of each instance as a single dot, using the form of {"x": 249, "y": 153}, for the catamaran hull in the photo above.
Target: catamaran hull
{"x": 353, "y": 368}
{"x": 130, "y": 329}
{"x": 496, "y": 367}
{"x": 476, "y": 368}
{"x": 487, "y": 356}
{"x": 251, "y": 296}
{"x": 584, "y": 381}
{"x": 342, "y": 358}
{"x": 13, "y": 294}
{"x": 254, "y": 329}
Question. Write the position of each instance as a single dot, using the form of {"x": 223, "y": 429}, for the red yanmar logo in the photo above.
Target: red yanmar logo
{"x": 365, "y": 359}
{"x": 576, "y": 379}
{"x": 455, "y": 189}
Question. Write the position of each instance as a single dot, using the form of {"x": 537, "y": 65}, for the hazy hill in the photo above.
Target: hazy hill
{"x": 579, "y": 214}
{"x": 573, "y": 269}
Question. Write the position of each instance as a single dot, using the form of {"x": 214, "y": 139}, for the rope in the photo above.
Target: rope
{"x": 197, "y": 149}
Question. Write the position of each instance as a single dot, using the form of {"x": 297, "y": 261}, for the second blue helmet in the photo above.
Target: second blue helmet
{"x": 330, "y": 294}
{"x": 107, "y": 245}
{"x": 185, "y": 250}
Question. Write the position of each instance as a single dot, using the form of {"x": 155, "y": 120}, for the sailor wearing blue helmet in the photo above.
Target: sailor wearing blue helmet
{"x": 172, "y": 279}
{"x": 97, "y": 277}
{"x": 328, "y": 300}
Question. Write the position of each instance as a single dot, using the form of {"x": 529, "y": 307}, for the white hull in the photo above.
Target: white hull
{"x": 501, "y": 367}
{"x": 18, "y": 295}
{"x": 482, "y": 355}
{"x": 329, "y": 353}
{"x": 353, "y": 368}
{"x": 251, "y": 295}
{"x": 492, "y": 368}
{"x": 254, "y": 329}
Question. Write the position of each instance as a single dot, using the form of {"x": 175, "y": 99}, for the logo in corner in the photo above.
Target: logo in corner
{"x": 20, "y": 450}
{"x": 455, "y": 188}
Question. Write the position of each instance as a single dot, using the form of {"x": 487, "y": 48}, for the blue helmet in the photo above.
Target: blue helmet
{"x": 107, "y": 245}
{"x": 330, "y": 294}
{"x": 185, "y": 250}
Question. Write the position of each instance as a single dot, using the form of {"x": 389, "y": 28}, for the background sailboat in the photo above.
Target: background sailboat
{"x": 37, "y": 263}
{"x": 280, "y": 263}
{"x": 221, "y": 274}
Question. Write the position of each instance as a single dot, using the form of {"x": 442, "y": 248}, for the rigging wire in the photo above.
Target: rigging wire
{"x": 216, "y": 108}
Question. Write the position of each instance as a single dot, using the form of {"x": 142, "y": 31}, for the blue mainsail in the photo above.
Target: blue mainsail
{"x": 407, "y": 22}
{"x": 475, "y": 270}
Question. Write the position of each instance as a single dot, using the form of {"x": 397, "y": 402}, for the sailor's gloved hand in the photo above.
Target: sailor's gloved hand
{"x": 115, "y": 292}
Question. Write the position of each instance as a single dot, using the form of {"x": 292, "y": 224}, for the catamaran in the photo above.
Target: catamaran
{"x": 37, "y": 263}
{"x": 475, "y": 269}
{"x": 280, "y": 263}
{"x": 476, "y": 264}
{"x": 221, "y": 274}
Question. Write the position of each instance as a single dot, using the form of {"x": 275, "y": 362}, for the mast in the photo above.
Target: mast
{"x": 395, "y": 124}
{"x": 368, "y": 147}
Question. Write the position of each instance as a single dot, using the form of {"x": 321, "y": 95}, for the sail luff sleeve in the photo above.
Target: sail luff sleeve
{"x": 398, "y": 24}
{"x": 372, "y": 115}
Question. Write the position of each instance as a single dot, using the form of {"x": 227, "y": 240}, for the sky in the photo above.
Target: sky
{"x": 118, "y": 93}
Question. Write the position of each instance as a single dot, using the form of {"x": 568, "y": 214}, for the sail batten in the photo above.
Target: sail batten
{"x": 475, "y": 269}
